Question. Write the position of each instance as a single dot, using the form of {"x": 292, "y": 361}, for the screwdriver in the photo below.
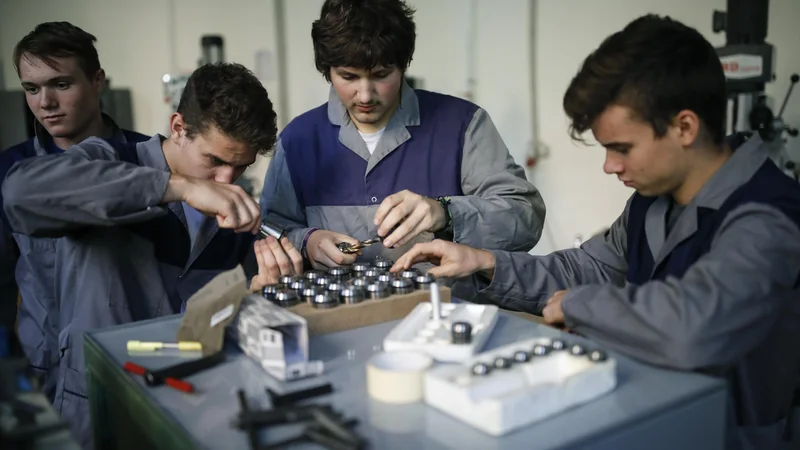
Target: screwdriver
{"x": 142, "y": 346}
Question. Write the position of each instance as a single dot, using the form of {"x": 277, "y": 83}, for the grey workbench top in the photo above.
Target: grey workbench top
{"x": 643, "y": 394}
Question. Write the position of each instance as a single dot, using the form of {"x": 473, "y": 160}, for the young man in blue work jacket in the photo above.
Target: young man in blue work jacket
{"x": 143, "y": 226}
{"x": 383, "y": 159}
{"x": 701, "y": 270}
{"x": 60, "y": 71}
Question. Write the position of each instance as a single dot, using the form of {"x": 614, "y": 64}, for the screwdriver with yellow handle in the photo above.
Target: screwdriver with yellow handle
{"x": 144, "y": 346}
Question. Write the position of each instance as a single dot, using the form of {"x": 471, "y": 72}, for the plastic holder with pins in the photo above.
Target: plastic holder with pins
{"x": 447, "y": 332}
{"x": 513, "y": 386}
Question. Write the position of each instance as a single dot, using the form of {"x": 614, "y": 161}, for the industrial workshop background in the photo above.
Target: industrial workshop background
{"x": 513, "y": 57}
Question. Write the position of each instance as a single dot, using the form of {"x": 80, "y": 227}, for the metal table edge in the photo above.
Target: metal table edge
{"x": 155, "y": 418}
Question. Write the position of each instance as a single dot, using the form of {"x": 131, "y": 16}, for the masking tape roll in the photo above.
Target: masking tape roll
{"x": 397, "y": 377}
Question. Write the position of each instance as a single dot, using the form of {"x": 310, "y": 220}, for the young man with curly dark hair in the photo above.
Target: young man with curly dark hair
{"x": 144, "y": 226}
{"x": 701, "y": 271}
{"x": 383, "y": 159}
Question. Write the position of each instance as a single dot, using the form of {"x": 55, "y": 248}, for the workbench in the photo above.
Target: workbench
{"x": 651, "y": 408}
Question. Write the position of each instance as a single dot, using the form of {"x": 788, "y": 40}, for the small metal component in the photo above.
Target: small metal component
{"x": 310, "y": 292}
{"x": 312, "y": 275}
{"x": 481, "y": 369}
{"x": 386, "y": 278}
{"x": 286, "y": 280}
{"x": 597, "y": 356}
{"x": 423, "y": 282}
{"x": 540, "y": 350}
{"x": 411, "y": 274}
{"x": 334, "y": 289}
{"x": 461, "y": 333}
{"x": 558, "y": 344}
{"x": 383, "y": 264}
{"x": 299, "y": 285}
{"x": 339, "y": 273}
{"x": 361, "y": 282}
{"x": 377, "y": 290}
{"x": 286, "y": 298}
{"x": 521, "y": 356}
{"x": 352, "y": 295}
{"x": 360, "y": 268}
{"x": 324, "y": 300}
{"x": 577, "y": 350}
{"x": 322, "y": 282}
{"x": 270, "y": 290}
{"x": 502, "y": 363}
{"x": 402, "y": 286}
{"x": 271, "y": 229}
{"x": 372, "y": 273}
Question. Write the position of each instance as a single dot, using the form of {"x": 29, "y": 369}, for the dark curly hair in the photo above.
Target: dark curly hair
{"x": 657, "y": 67}
{"x": 59, "y": 40}
{"x": 363, "y": 34}
{"x": 229, "y": 97}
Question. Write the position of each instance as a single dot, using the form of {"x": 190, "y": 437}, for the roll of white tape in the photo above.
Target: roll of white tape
{"x": 397, "y": 377}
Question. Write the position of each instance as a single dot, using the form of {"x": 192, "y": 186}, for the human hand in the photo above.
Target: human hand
{"x": 404, "y": 215}
{"x": 275, "y": 259}
{"x": 451, "y": 260}
{"x": 229, "y": 203}
{"x": 552, "y": 312}
{"x": 322, "y": 250}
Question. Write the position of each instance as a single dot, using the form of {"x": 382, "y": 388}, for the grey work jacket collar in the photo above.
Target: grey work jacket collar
{"x": 407, "y": 114}
{"x": 742, "y": 165}
{"x": 42, "y": 139}
{"x": 151, "y": 154}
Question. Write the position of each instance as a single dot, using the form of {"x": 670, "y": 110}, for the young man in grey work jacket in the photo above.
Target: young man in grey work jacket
{"x": 143, "y": 226}
{"x": 380, "y": 155}
{"x": 60, "y": 72}
{"x": 701, "y": 271}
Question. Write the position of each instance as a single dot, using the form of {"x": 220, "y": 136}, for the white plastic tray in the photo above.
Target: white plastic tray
{"x": 420, "y": 332}
{"x": 527, "y": 392}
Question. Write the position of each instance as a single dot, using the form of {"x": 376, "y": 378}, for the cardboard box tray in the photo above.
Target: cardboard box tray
{"x": 368, "y": 312}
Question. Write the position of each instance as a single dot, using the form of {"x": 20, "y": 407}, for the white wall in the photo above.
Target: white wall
{"x": 140, "y": 41}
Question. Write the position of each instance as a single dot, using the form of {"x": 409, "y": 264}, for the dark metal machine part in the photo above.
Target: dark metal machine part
{"x": 324, "y": 300}
{"x": 402, "y": 286}
{"x": 272, "y": 229}
{"x": 423, "y": 282}
{"x": 352, "y": 295}
{"x": 287, "y": 298}
{"x": 377, "y": 290}
{"x": 481, "y": 369}
{"x": 383, "y": 264}
{"x": 461, "y": 333}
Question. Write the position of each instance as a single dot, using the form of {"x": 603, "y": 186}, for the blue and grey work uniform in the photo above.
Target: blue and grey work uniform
{"x": 26, "y": 263}
{"x": 323, "y": 175}
{"x": 713, "y": 288}
{"x": 122, "y": 256}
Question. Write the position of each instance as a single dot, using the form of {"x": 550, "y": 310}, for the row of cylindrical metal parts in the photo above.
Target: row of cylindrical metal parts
{"x": 345, "y": 285}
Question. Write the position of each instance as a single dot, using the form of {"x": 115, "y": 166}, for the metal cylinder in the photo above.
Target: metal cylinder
{"x": 386, "y": 278}
{"x": 286, "y": 281}
{"x": 402, "y": 286}
{"x": 481, "y": 369}
{"x": 461, "y": 333}
{"x": 377, "y": 290}
{"x": 502, "y": 363}
{"x": 270, "y": 290}
{"x": 309, "y": 293}
{"x": 360, "y": 268}
{"x": 423, "y": 282}
{"x": 299, "y": 285}
{"x": 372, "y": 273}
{"x": 312, "y": 275}
{"x": 271, "y": 229}
{"x": 411, "y": 274}
{"x": 324, "y": 300}
{"x": 577, "y": 350}
{"x": 597, "y": 356}
{"x": 352, "y": 295}
{"x": 383, "y": 264}
{"x": 322, "y": 282}
{"x": 339, "y": 273}
{"x": 286, "y": 298}
{"x": 558, "y": 344}
{"x": 334, "y": 289}
{"x": 360, "y": 282}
